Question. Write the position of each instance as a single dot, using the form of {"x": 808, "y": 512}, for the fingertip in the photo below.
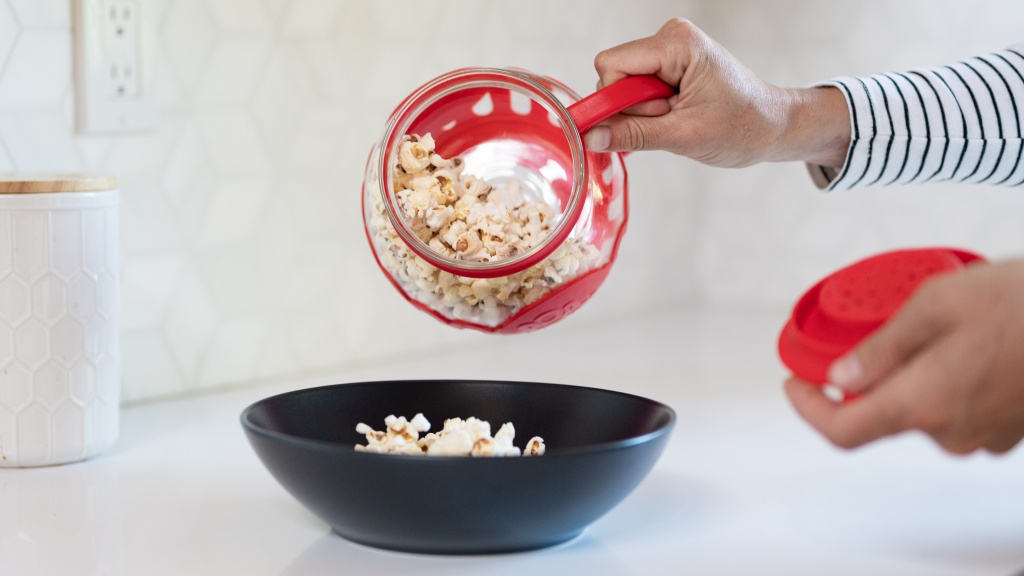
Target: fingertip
{"x": 809, "y": 401}
{"x": 846, "y": 372}
{"x": 598, "y": 139}
{"x": 822, "y": 412}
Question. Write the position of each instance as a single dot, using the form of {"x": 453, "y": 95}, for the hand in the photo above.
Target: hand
{"x": 724, "y": 115}
{"x": 950, "y": 363}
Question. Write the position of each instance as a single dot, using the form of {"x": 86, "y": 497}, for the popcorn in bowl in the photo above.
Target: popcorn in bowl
{"x": 469, "y": 437}
{"x": 463, "y": 217}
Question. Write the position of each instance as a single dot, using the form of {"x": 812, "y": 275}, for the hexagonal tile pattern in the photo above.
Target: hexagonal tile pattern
{"x": 107, "y": 383}
{"x": 50, "y": 365}
{"x": 34, "y": 436}
{"x": 6, "y": 344}
{"x": 31, "y": 246}
{"x": 49, "y": 299}
{"x": 8, "y": 429}
{"x": 83, "y": 383}
{"x": 32, "y": 343}
{"x": 95, "y": 338}
{"x": 67, "y": 239}
{"x": 6, "y": 243}
{"x": 106, "y": 295}
{"x": 15, "y": 301}
{"x": 50, "y": 386}
{"x": 82, "y": 296}
{"x": 69, "y": 424}
{"x": 67, "y": 341}
{"x": 15, "y": 387}
{"x": 94, "y": 253}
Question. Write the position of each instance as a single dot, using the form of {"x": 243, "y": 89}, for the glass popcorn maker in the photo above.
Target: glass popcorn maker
{"x": 482, "y": 206}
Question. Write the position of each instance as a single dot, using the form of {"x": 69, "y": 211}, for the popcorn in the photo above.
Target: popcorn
{"x": 400, "y": 436}
{"x": 469, "y": 437}
{"x": 463, "y": 217}
{"x": 535, "y": 447}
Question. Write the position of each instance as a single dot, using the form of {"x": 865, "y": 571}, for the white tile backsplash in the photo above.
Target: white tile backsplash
{"x": 231, "y": 73}
{"x": 42, "y": 14}
{"x": 38, "y": 69}
{"x": 243, "y": 253}
{"x": 37, "y": 139}
{"x": 187, "y": 35}
{"x": 241, "y": 17}
{"x": 311, "y": 18}
{"x": 8, "y": 31}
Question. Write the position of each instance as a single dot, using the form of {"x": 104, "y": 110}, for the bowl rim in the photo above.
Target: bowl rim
{"x": 662, "y": 430}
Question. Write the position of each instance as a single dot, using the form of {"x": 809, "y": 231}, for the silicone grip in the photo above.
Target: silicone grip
{"x": 613, "y": 99}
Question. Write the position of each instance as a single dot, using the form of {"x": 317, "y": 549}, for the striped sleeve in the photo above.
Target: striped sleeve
{"x": 959, "y": 123}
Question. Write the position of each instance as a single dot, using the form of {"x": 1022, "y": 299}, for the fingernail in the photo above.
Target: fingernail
{"x": 845, "y": 371}
{"x": 598, "y": 139}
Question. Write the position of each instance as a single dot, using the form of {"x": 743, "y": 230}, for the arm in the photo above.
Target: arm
{"x": 724, "y": 115}
{"x": 961, "y": 122}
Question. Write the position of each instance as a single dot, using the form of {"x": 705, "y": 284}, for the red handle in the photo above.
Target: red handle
{"x": 613, "y": 99}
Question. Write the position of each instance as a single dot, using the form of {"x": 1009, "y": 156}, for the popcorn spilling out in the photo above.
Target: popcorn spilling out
{"x": 469, "y": 437}
{"x": 461, "y": 216}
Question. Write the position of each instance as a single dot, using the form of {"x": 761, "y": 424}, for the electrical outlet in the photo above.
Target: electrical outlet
{"x": 121, "y": 47}
{"x": 113, "y": 66}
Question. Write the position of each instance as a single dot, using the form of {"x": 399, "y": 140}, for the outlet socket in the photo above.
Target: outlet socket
{"x": 113, "y": 66}
{"x": 121, "y": 48}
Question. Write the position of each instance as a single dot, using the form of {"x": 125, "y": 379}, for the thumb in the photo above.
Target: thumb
{"x": 886, "y": 349}
{"x": 626, "y": 133}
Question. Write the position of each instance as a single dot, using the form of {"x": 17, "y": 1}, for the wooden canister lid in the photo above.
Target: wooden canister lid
{"x": 26, "y": 183}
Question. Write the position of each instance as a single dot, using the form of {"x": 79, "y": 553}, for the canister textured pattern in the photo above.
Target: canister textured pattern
{"x": 59, "y": 346}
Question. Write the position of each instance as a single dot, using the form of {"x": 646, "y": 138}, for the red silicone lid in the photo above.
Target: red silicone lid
{"x": 839, "y": 311}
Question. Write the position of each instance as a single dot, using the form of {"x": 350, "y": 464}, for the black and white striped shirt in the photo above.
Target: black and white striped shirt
{"x": 960, "y": 123}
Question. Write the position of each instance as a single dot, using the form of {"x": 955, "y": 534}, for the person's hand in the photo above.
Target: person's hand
{"x": 724, "y": 115}
{"x": 950, "y": 363}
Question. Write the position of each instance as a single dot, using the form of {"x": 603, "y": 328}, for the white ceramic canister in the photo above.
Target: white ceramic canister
{"x": 59, "y": 345}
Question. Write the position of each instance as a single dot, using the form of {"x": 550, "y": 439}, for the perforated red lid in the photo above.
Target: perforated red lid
{"x": 839, "y": 311}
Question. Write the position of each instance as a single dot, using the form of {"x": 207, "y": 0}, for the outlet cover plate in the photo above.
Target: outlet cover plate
{"x": 113, "y": 56}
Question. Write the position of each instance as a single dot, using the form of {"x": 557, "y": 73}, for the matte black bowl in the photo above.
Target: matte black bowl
{"x": 600, "y": 445}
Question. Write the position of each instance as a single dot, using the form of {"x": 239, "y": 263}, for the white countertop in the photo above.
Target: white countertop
{"x": 744, "y": 486}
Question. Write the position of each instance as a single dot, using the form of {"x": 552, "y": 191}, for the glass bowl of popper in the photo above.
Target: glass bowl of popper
{"x": 600, "y": 446}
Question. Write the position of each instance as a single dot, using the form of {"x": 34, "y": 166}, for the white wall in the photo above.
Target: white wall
{"x": 243, "y": 252}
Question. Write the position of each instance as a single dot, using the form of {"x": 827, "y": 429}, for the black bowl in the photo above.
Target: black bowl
{"x": 600, "y": 445}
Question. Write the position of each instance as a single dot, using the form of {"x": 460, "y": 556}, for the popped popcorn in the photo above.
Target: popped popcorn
{"x": 469, "y": 437}
{"x": 463, "y": 217}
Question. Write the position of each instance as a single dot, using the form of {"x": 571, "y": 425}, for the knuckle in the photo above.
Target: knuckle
{"x": 998, "y": 449}
{"x": 844, "y": 442}
{"x": 601, "y": 61}
{"x": 633, "y": 137}
{"x": 679, "y": 27}
{"x": 954, "y": 438}
{"x": 934, "y": 294}
{"x": 1002, "y": 444}
{"x": 958, "y": 447}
